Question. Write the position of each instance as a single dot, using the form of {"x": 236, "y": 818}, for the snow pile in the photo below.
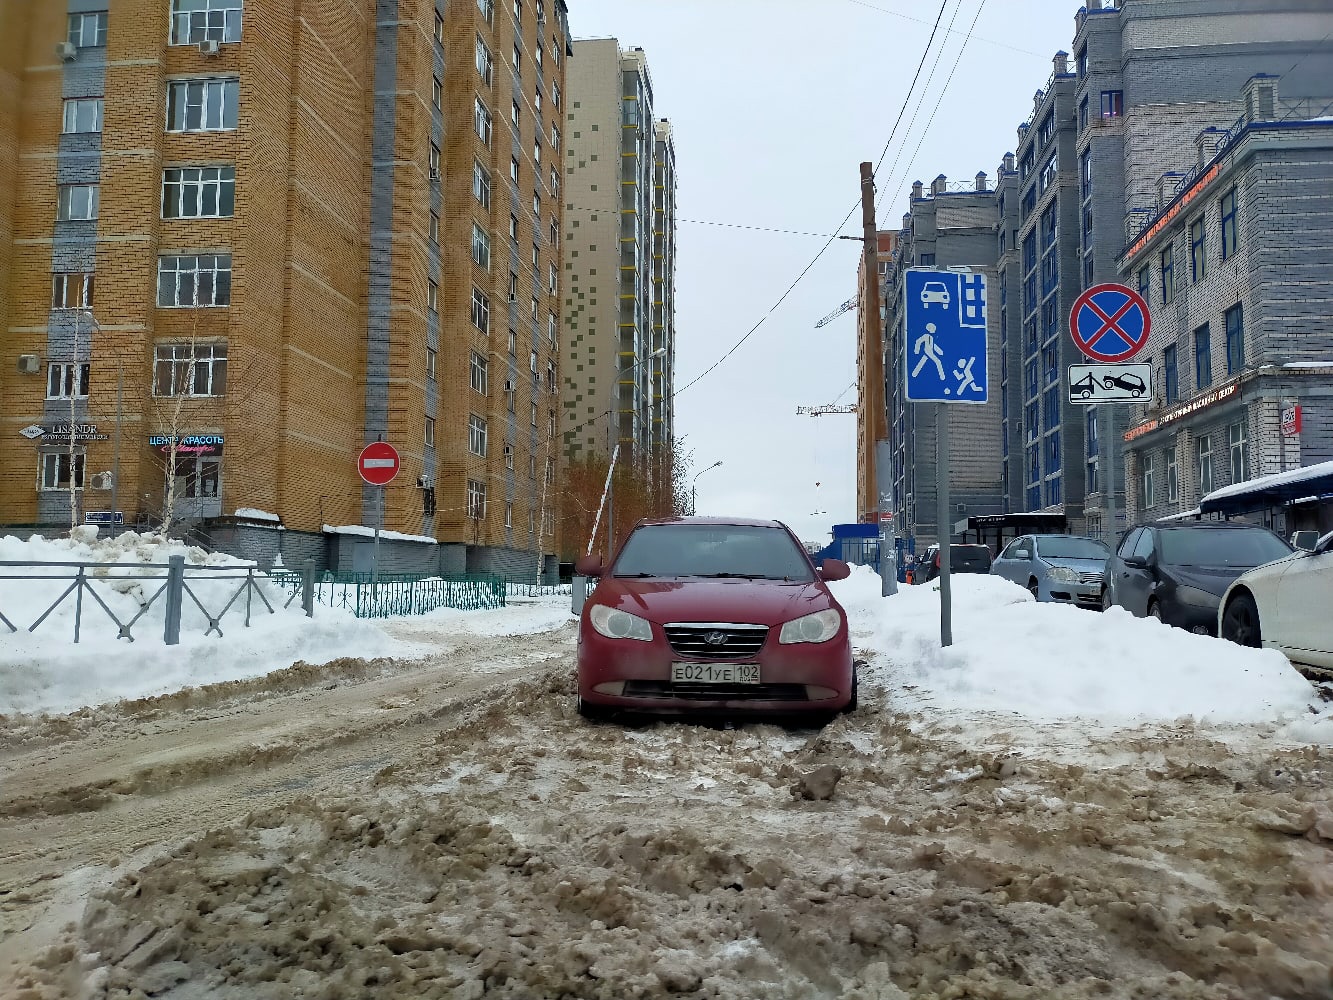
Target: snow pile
{"x": 361, "y": 531}
{"x": 1052, "y": 661}
{"x": 45, "y": 671}
{"x": 255, "y": 514}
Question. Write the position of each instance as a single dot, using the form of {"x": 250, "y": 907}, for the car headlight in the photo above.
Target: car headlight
{"x": 1196, "y": 597}
{"x": 616, "y": 624}
{"x": 1062, "y": 574}
{"x": 819, "y": 627}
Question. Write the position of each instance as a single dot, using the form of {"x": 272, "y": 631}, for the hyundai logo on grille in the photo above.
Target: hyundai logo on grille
{"x": 715, "y": 638}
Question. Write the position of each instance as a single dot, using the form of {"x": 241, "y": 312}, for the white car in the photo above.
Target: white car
{"x": 1284, "y": 606}
{"x": 935, "y": 291}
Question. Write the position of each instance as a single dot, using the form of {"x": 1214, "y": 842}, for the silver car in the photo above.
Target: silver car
{"x": 1066, "y": 569}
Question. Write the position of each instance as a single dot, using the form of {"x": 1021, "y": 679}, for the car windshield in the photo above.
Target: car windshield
{"x": 1221, "y": 547}
{"x": 717, "y": 550}
{"x": 1071, "y": 547}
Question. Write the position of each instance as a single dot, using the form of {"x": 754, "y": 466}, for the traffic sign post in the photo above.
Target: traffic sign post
{"x": 378, "y": 463}
{"x": 945, "y": 343}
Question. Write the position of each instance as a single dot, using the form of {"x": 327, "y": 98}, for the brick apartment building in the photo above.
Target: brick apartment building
{"x": 274, "y": 239}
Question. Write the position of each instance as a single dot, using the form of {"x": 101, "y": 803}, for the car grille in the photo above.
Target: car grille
{"x": 716, "y": 692}
{"x": 1090, "y": 578}
{"x": 737, "y": 641}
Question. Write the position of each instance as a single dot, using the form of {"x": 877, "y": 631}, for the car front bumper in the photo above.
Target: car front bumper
{"x": 635, "y": 676}
{"x": 1085, "y": 595}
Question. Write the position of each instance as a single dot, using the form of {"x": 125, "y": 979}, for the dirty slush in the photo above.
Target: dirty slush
{"x": 451, "y": 829}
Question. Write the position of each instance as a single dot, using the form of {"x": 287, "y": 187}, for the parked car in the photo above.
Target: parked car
{"x": 1304, "y": 539}
{"x": 962, "y": 559}
{"x": 1285, "y": 605}
{"x": 1067, "y": 569}
{"x": 1177, "y": 571}
{"x": 713, "y": 615}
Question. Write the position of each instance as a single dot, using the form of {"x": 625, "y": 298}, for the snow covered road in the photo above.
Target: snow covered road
{"x": 450, "y": 828}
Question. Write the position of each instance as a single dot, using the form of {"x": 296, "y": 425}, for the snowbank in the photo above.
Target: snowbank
{"x": 255, "y": 514}
{"x": 1051, "y": 661}
{"x": 45, "y": 671}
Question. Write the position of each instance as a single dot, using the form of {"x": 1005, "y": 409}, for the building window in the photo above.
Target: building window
{"x": 534, "y": 418}
{"x": 476, "y": 500}
{"x": 1203, "y": 357}
{"x": 511, "y": 395}
{"x": 430, "y": 363}
{"x": 193, "y": 21}
{"x": 1235, "y": 323}
{"x": 532, "y": 459}
{"x": 509, "y": 456}
{"x": 203, "y": 105}
{"x": 77, "y": 203}
{"x": 55, "y": 470}
{"x": 1240, "y": 454}
{"x": 1085, "y": 174}
{"x": 1168, "y": 264}
{"x": 537, "y": 55}
{"x": 550, "y": 376}
{"x": 433, "y": 228}
{"x": 72, "y": 291}
{"x": 1053, "y": 452}
{"x": 481, "y": 184}
{"x": 479, "y": 376}
{"x": 555, "y": 139}
{"x": 550, "y": 433}
{"x": 1049, "y": 172}
{"x": 537, "y": 201}
{"x": 555, "y": 235}
{"x": 432, "y": 296}
{"x": 1113, "y": 104}
{"x": 1227, "y": 207}
{"x": 555, "y": 182}
{"x": 439, "y": 30}
{"x": 513, "y": 290}
{"x": 485, "y": 63}
{"x": 1149, "y": 490}
{"x": 513, "y": 169}
{"x": 550, "y": 279}
{"x": 481, "y": 247}
{"x": 429, "y": 432}
{"x": 433, "y": 162}
{"x": 514, "y": 113}
{"x": 199, "y": 193}
{"x": 1092, "y": 477}
{"x": 1046, "y": 130}
{"x": 67, "y": 380}
{"x": 83, "y": 114}
{"x": 194, "y": 280}
{"x": 88, "y": 31}
{"x": 513, "y": 343}
{"x": 1171, "y": 373}
{"x": 1082, "y": 114}
{"x": 190, "y": 370}
{"x": 476, "y": 435}
{"x": 532, "y": 522}
{"x": 534, "y": 298}
{"x": 1198, "y": 254}
{"x": 481, "y": 311}
{"x": 482, "y": 122}
{"x": 487, "y": 8}
{"x": 437, "y": 93}
{"x": 555, "y": 94}
{"x": 1203, "y": 451}
{"x": 1145, "y": 284}
{"x": 1172, "y": 477}
{"x": 532, "y": 361}
{"x": 513, "y": 227}
{"x": 518, "y": 60}
{"x": 509, "y": 514}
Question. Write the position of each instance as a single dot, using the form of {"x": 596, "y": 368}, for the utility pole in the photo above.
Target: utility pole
{"x": 876, "y": 476}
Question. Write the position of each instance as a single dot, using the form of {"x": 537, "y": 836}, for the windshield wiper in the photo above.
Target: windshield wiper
{"x": 634, "y": 576}
{"x": 734, "y": 576}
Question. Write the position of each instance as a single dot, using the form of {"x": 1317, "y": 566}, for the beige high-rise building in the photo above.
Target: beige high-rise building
{"x": 618, "y": 354}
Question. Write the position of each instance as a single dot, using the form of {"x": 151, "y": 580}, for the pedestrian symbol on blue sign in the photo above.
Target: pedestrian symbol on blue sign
{"x": 945, "y": 336}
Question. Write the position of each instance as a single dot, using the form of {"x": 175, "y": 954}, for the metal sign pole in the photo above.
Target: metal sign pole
{"x": 945, "y": 529}
{"x": 375, "y": 552}
{"x": 1111, "y": 469}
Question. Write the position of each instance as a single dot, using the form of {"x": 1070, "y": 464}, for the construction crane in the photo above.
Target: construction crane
{"x": 847, "y": 306}
{"x": 819, "y": 411}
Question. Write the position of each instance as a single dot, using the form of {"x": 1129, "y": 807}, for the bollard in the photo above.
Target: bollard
{"x": 308, "y": 588}
{"x": 175, "y": 592}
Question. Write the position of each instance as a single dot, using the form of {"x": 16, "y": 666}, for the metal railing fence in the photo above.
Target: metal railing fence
{"x": 391, "y": 594}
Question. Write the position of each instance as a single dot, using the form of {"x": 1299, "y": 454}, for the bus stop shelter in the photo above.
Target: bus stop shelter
{"x": 1304, "y": 494}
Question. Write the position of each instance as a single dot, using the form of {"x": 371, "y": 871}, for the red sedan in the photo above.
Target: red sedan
{"x": 713, "y": 615}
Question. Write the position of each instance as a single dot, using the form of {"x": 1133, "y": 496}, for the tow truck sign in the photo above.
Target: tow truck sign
{"x": 1110, "y": 383}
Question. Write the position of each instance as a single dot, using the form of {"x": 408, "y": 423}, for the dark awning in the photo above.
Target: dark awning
{"x": 1267, "y": 492}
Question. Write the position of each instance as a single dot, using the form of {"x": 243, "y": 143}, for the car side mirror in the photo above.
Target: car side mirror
{"x": 1136, "y": 562}
{"x": 834, "y": 569}
{"x": 1022, "y": 554}
{"x": 589, "y": 566}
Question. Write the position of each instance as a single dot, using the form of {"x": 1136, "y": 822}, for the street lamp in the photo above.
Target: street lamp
{"x": 694, "y": 493}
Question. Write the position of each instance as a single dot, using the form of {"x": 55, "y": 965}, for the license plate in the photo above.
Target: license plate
{"x": 714, "y": 673}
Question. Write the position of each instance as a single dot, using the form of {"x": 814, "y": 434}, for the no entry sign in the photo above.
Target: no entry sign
{"x": 378, "y": 463}
{"x": 1110, "y": 323}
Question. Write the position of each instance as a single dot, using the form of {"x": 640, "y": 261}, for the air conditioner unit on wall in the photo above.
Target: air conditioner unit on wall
{"x": 29, "y": 364}
{"x": 210, "y": 46}
{"x": 103, "y": 481}
{"x": 66, "y": 51}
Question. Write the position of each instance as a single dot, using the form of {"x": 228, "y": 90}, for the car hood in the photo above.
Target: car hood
{"x": 691, "y": 599}
{"x": 1212, "y": 579}
{"x": 1077, "y": 565}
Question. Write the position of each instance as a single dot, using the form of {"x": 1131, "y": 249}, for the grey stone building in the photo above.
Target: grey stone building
{"x": 1239, "y": 268}
{"x": 949, "y": 226}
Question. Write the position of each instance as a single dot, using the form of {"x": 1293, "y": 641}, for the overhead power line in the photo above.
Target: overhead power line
{"x": 919, "y": 20}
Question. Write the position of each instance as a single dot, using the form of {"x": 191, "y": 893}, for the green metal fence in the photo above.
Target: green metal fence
{"x": 394, "y": 594}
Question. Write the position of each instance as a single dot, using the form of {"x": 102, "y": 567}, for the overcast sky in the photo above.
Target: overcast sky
{"x": 774, "y": 104}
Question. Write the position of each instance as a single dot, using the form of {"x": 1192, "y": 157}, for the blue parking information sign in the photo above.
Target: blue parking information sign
{"x": 945, "y": 336}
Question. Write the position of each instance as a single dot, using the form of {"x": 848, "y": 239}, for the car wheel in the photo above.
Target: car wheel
{"x": 1034, "y": 589}
{"x": 1155, "y": 610}
{"x": 1240, "y": 621}
{"x": 851, "y": 705}
{"x": 591, "y": 712}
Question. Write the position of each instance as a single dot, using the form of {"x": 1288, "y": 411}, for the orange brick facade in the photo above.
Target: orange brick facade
{"x": 336, "y": 103}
